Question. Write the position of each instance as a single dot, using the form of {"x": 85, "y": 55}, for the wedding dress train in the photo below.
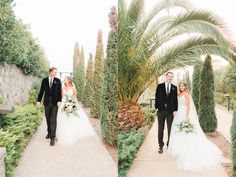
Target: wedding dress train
{"x": 193, "y": 151}
{"x": 72, "y": 128}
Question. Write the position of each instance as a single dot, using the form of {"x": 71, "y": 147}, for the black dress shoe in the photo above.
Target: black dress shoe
{"x": 52, "y": 142}
{"x": 47, "y": 137}
{"x": 160, "y": 150}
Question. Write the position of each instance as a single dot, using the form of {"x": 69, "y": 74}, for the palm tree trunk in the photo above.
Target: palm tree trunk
{"x": 130, "y": 116}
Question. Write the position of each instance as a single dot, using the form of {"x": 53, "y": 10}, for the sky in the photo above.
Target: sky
{"x": 58, "y": 24}
{"x": 225, "y": 9}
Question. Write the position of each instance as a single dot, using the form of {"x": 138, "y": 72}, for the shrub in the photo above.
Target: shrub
{"x": 1, "y": 100}
{"x": 233, "y": 139}
{"x": 18, "y": 128}
{"x": 150, "y": 115}
{"x": 98, "y": 77}
{"x": 109, "y": 104}
{"x": 206, "y": 112}
{"x": 88, "y": 90}
{"x": 195, "y": 85}
{"x": 128, "y": 145}
{"x": 222, "y": 100}
{"x": 33, "y": 93}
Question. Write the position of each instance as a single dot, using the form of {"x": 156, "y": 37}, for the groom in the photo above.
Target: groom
{"x": 51, "y": 89}
{"x": 167, "y": 104}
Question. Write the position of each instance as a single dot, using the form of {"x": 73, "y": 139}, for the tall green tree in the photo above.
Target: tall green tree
{"x": 98, "y": 75}
{"x": 88, "y": 91}
{"x": 75, "y": 57}
{"x": 188, "y": 81}
{"x": 109, "y": 105}
{"x": 81, "y": 75}
{"x": 195, "y": 85}
{"x": 206, "y": 113}
{"x": 233, "y": 139}
{"x": 17, "y": 45}
{"x": 143, "y": 52}
{"x": 76, "y": 60}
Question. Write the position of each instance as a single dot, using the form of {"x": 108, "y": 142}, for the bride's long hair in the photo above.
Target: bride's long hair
{"x": 69, "y": 78}
{"x": 185, "y": 84}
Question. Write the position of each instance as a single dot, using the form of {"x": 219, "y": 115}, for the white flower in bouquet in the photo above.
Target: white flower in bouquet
{"x": 185, "y": 126}
{"x": 70, "y": 106}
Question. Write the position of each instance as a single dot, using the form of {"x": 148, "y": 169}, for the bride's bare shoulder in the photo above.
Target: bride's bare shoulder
{"x": 187, "y": 95}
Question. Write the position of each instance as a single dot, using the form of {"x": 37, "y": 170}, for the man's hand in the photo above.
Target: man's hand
{"x": 58, "y": 104}
{"x": 174, "y": 113}
{"x": 38, "y": 104}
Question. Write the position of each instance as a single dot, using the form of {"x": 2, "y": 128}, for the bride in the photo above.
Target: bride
{"x": 72, "y": 127}
{"x": 194, "y": 152}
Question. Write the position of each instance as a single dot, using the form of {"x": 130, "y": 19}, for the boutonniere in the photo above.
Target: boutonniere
{"x": 54, "y": 82}
{"x": 173, "y": 88}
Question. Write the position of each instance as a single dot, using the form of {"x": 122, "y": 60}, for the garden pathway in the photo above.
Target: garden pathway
{"x": 86, "y": 158}
{"x": 150, "y": 163}
{"x": 224, "y": 118}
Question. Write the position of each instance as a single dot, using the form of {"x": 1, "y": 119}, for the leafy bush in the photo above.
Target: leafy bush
{"x": 33, "y": 93}
{"x": 18, "y": 128}
{"x": 1, "y": 100}
{"x": 150, "y": 115}
{"x": 222, "y": 100}
{"x": 17, "y": 45}
{"x": 128, "y": 145}
{"x": 233, "y": 139}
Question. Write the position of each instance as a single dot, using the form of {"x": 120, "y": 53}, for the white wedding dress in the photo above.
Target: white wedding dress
{"x": 193, "y": 151}
{"x": 72, "y": 128}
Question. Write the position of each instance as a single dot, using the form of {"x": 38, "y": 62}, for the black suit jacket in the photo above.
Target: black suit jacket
{"x": 53, "y": 94}
{"x": 161, "y": 98}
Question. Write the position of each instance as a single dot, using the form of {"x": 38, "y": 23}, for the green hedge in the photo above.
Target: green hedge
{"x": 222, "y": 100}
{"x": 150, "y": 115}
{"x": 18, "y": 128}
{"x": 233, "y": 139}
{"x": 33, "y": 93}
{"x": 128, "y": 146}
{"x": 1, "y": 100}
{"x": 17, "y": 45}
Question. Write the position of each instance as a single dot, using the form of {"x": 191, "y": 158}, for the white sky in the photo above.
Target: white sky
{"x": 223, "y": 8}
{"x": 58, "y": 24}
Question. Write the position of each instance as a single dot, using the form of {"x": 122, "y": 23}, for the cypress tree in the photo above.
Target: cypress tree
{"x": 76, "y": 58}
{"x": 207, "y": 115}
{"x": 233, "y": 139}
{"x": 98, "y": 76}
{"x": 81, "y": 75}
{"x": 188, "y": 81}
{"x": 195, "y": 85}
{"x": 108, "y": 110}
{"x": 88, "y": 91}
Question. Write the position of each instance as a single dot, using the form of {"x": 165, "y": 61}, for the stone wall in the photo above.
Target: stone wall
{"x": 14, "y": 85}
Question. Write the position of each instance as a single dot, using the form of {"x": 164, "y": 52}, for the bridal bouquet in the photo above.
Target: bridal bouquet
{"x": 185, "y": 126}
{"x": 70, "y": 106}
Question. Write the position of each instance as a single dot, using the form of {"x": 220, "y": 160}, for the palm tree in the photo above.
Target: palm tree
{"x": 150, "y": 44}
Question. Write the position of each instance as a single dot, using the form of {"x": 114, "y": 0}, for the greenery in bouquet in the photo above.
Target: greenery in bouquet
{"x": 185, "y": 126}
{"x": 70, "y": 106}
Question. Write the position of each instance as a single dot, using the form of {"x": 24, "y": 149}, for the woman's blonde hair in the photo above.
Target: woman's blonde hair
{"x": 69, "y": 79}
{"x": 185, "y": 84}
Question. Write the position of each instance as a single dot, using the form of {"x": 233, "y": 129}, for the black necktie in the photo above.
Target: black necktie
{"x": 168, "y": 89}
{"x": 50, "y": 83}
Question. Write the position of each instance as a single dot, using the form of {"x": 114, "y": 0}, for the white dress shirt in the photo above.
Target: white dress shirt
{"x": 166, "y": 84}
